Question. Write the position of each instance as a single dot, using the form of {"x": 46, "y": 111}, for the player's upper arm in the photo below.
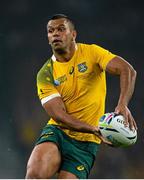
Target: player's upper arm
{"x": 45, "y": 83}
{"x": 117, "y": 65}
{"x": 101, "y": 56}
{"x": 55, "y": 108}
{"x": 48, "y": 94}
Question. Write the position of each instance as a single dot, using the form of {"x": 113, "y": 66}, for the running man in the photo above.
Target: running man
{"x": 72, "y": 89}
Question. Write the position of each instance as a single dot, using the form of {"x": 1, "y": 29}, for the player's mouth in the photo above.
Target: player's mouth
{"x": 56, "y": 41}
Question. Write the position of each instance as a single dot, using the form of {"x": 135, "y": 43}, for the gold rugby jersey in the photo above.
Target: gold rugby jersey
{"x": 80, "y": 83}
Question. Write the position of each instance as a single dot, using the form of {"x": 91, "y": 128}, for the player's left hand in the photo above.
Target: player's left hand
{"x": 129, "y": 120}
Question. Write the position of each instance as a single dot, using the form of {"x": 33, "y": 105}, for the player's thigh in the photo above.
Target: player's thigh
{"x": 66, "y": 175}
{"x": 46, "y": 158}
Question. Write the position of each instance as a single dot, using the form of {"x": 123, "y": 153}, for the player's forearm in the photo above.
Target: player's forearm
{"x": 118, "y": 66}
{"x": 74, "y": 123}
{"x": 57, "y": 110}
{"x": 127, "y": 84}
{"x": 61, "y": 116}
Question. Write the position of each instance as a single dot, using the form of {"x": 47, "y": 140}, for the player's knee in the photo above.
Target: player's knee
{"x": 38, "y": 172}
{"x": 33, "y": 173}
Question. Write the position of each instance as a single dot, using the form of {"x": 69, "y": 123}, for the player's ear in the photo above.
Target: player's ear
{"x": 74, "y": 35}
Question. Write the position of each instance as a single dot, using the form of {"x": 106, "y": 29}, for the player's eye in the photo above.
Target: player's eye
{"x": 61, "y": 29}
{"x": 50, "y": 30}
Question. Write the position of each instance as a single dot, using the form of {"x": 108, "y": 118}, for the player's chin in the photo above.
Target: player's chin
{"x": 59, "y": 49}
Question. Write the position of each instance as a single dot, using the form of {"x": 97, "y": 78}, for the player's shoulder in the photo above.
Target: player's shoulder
{"x": 45, "y": 70}
{"x": 87, "y": 46}
{"x": 45, "y": 66}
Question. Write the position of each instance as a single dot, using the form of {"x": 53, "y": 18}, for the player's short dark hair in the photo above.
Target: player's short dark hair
{"x": 59, "y": 16}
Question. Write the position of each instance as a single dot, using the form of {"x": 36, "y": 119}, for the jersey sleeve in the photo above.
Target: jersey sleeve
{"x": 45, "y": 86}
{"x": 101, "y": 56}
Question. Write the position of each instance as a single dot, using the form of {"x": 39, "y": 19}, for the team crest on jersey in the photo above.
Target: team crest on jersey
{"x": 82, "y": 67}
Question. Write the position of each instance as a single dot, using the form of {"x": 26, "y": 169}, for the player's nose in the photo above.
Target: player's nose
{"x": 56, "y": 33}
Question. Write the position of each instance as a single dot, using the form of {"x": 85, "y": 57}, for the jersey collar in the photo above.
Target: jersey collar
{"x": 54, "y": 58}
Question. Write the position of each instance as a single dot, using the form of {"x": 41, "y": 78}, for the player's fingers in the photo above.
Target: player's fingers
{"x": 131, "y": 126}
{"x": 126, "y": 121}
{"x": 98, "y": 133}
{"x": 104, "y": 140}
{"x": 132, "y": 123}
{"x": 135, "y": 125}
{"x": 117, "y": 110}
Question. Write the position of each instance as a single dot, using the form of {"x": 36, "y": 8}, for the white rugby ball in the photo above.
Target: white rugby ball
{"x": 113, "y": 129}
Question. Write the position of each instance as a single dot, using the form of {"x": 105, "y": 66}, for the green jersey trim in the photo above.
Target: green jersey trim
{"x": 45, "y": 75}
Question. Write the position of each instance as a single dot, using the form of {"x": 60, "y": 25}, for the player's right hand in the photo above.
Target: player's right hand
{"x": 98, "y": 133}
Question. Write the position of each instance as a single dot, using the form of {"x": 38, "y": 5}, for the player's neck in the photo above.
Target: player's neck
{"x": 66, "y": 55}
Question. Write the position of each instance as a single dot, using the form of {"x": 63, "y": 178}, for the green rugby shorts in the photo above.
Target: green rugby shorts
{"x": 77, "y": 156}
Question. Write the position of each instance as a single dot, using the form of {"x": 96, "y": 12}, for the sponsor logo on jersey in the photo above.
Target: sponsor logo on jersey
{"x": 82, "y": 67}
{"x": 60, "y": 80}
{"x": 80, "y": 168}
{"x": 71, "y": 70}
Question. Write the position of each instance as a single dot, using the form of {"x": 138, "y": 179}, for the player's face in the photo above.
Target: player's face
{"x": 60, "y": 34}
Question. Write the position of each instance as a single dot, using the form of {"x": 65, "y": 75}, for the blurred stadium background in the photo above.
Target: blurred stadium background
{"x": 115, "y": 25}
